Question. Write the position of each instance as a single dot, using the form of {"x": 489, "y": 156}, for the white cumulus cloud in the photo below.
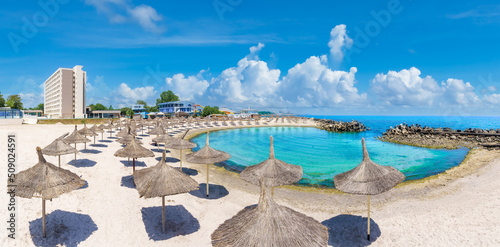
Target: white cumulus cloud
{"x": 408, "y": 88}
{"x": 339, "y": 43}
{"x": 187, "y": 88}
{"x": 125, "y": 96}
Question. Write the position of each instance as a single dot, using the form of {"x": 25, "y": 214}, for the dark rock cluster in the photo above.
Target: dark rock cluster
{"x": 339, "y": 126}
{"x": 416, "y": 135}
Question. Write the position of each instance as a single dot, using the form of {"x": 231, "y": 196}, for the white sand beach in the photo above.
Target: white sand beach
{"x": 459, "y": 208}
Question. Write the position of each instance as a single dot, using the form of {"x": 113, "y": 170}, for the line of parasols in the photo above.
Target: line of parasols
{"x": 264, "y": 224}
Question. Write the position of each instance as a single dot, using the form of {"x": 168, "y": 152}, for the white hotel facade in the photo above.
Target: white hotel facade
{"x": 64, "y": 93}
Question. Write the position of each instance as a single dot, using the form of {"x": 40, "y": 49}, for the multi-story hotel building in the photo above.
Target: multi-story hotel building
{"x": 65, "y": 93}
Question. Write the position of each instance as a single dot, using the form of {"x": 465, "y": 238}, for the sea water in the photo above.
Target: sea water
{"x": 324, "y": 154}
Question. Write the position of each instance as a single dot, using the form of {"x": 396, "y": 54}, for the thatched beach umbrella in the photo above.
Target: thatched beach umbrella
{"x": 134, "y": 150}
{"x": 274, "y": 172}
{"x": 96, "y": 130}
{"x": 47, "y": 181}
{"x": 180, "y": 144}
{"x": 162, "y": 180}
{"x": 165, "y": 138}
{"x": 87, "y": 132}
{"x": 75, "y": 138}
{"x": 126, "y": 139}
{"x": 270, "y": 224}
{"x": 207, "y": 155}
{"x": 58, "y": 147}
{"x": 368, "y": 178}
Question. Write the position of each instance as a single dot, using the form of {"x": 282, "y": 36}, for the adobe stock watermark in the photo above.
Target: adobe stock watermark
{"x": 223, "y": 6}
{"x": 381, "y": 19}
{"x": 156, "y": 75}
{"x": 40, "y": 19}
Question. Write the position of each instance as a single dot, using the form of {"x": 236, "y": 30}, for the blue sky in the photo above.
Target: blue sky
{"x": 309, "y": 57}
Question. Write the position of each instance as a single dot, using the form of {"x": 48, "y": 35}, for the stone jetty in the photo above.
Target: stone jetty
{"x": 339, "y": 126}
{"x": 416, "y": 135}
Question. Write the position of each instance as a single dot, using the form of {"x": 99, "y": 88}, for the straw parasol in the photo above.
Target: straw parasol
{"x": 126, "y": 139}
{"x": 87, "y": 132}
{"x": 58, "y": 147}
{"x": 134, "y": 150}
{"x": 163, "y": 139}
{"x": 162, "y": 180}
{"x": 180, "y": 144}
{"x": 270, "y": 224}
{"x": 47, "y": 181}
{"x": 75, "y": 138}
{"x": 368, "y": 178}
{"x": 274, "y": 172}
{"x": 207, "y": 155}
{"x": 96, "y": 130}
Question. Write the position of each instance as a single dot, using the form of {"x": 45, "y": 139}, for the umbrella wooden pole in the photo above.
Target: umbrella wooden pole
{"x": 133, "y": 164}
{"x": 59, "y": 161}
{"x": 181, "y": 158}
{"x": 163, "y": 213}
{"x": 207, "y": 179}
{"x": 368, "y": 233}
{"x": 75, "y": 155}
{"x": 272, "y": 192}
{"x": 102, "y": 136}
{"x": 43, "y": 217}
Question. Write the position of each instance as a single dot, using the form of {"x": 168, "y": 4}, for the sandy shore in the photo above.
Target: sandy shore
{"x": 460, "y": 207}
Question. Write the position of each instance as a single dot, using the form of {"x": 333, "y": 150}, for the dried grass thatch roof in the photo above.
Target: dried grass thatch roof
{"x": 75, "y": 137}
{"x": 207, "y": 155}
{"x": 368, "y": 178}
{"x": 162, "y": 180}
{"x": 274, "y": 172}
{"x": 86, "y": 131}
{"x": 180, "y": 143}
{"x": 158, "y": 130}
{"x": 126, "y": 131}
{"x": 270, "y": 224}
{"x": 134, "y": 150}
{"x": 59, "y": 147}
{"x": 46, "y": 180}
{"x": 96, "y": 129}
{"x": 164, "y": 138}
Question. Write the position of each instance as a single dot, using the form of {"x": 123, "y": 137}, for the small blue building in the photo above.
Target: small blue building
{"x": 139, "y": 109}
{"x": 176, "y": 106}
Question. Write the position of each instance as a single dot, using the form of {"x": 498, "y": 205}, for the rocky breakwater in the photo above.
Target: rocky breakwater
{"x": 416, "y": 135}
{"x": 339, "y": 126}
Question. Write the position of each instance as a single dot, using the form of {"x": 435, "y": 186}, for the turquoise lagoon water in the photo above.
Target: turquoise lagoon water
{"x": 323, "y": 154}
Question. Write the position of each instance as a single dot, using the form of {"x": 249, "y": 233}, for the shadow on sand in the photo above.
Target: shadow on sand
{"x": 85, "y": 186}
{"x": 168, "y": 159}
{"x": 99, "y": 145}
{"x": 215, "y": 191}
{"x": 178, "y": 221}
{"x": 350, "y": 230}
{"x": 90, "y": 151}
{"x": 128, "y": 182}
{"x": 108, "y": 141}
{"x": 63, "y": 229}
{"x": 131, "y": 164}
{"x": 82, "y": 163}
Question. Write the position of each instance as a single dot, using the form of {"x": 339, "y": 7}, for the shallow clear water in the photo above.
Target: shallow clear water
{"x": 323, "y": 155}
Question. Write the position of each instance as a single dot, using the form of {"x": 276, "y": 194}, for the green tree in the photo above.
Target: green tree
{"x": 130, "y": 113}
{"x": 40, "y": 107}
{"x": 123, "y": 111}
{"x": 110, "y": 107}
{"x": 2, "y": 100}
{"x": 14, "y": 102}
{"x": 167, "y": 96}
{"x": 142, "y": 102}
{"x": 208, "y": 110}
{"x": 151, "y": 108}
{"x": 99, "y": 107}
